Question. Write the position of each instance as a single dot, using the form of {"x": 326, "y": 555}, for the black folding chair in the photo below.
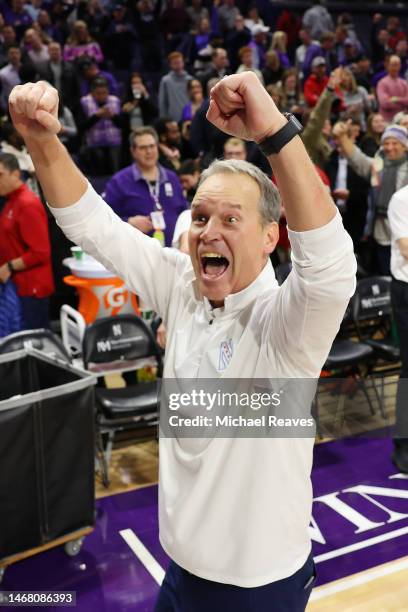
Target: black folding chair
{"x": 120, "y": 344}
{"x": 373, "y": 320}
{"x": 350, "y": 362}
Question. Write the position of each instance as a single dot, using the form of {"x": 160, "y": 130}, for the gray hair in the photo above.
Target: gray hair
{"x": 400, "y": 118}
{"x": 269, "y": 202}
{"x": 142, "y": 131}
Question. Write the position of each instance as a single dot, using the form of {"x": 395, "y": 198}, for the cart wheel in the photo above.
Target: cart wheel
{"x": 2, "y": 570}
{"x": 73, "y": 547}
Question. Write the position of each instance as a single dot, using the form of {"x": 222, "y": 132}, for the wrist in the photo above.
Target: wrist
{"x": 10, "y": 267}
{"x": 279, "y": 122}
{"x": 274, "y": 143}
{"x": 44, "y": 148}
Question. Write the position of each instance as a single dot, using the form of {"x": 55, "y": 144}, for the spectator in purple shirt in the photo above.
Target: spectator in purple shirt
{"x": 81, "y": 43}
{"x": 324, "y": 49}
{"x": 101, "y": 121}
{"x": 90, "y": 70}
{"x": 279, "y": 44}
{"x": 145, "y": 187}
{"x": 49, "y": 29}
{"x": 260, "y": 44}
{"x": 195, "y": 93}
{"x": 18, "y": 17}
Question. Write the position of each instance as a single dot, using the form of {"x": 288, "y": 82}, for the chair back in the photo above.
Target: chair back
{"x": 371, "y": 305}
{"x": 119, "y": 338}
{"x": 72, "y": 329}
{"x": 41, "y": 339}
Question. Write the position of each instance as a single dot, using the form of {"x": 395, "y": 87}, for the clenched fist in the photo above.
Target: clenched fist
{"x": 241, "y": 106}
{"x": 342, "y": 129}
{"x": 34, "y": 111}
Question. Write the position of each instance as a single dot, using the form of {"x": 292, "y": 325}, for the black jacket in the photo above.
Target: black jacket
{"x": 354, "y": 217}
{"x": 69, "y": 84}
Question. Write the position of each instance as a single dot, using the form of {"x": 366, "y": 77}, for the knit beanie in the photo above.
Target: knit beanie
{"x": 399, "y": 132}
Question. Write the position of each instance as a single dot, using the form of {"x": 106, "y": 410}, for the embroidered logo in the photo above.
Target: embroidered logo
{"x": 226, "y": 352}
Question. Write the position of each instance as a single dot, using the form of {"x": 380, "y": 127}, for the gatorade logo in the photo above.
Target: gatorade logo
{"x": 115, "y": 298}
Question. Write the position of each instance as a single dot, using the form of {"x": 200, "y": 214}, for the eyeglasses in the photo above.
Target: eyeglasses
{"x": 145, "y": 147}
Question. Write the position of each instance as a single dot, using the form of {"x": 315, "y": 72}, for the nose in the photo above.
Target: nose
{"x": 211, "y": 232}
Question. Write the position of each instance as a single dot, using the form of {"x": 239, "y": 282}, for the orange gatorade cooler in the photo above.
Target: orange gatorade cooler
{"x": 101, "y": 294}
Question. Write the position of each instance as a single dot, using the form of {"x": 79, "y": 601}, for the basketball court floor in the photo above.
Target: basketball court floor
{"x": 359, "y": 532}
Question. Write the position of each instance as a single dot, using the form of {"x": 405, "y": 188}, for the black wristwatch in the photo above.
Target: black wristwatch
{"x": 273, "y": 144}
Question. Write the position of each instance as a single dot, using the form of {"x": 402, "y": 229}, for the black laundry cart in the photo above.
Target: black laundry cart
{"x": 47, "y": 495}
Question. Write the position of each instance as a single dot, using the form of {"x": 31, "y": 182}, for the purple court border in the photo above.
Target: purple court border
{"x": 109, "y": 577}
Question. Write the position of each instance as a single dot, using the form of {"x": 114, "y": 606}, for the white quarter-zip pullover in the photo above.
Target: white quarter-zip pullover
{"x": 398, "y": 218}
{"x": 232, "y": 510}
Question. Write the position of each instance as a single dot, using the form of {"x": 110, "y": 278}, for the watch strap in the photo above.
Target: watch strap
{"x": 273, "y": 144}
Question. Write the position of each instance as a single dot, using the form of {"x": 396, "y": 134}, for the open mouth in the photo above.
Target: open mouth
{"x": 213, "y": 265}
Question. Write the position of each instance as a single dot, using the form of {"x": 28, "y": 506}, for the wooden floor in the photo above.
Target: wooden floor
{"x": 381, "y": 589}
{"x": 133, "y": 465}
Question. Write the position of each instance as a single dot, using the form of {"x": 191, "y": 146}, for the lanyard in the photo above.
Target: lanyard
{"x": 154, "y": 192}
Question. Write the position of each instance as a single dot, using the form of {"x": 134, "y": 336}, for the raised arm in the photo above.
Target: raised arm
{"x": 313, "y": 130}
{"x": 241, "y": 106}
{"x": 83, "y": 216}
{"x": 360, "y": 162}
{"x": 301, "y": 325}
{"x": 34, "y": 112}
{"x": 312, "y": 134}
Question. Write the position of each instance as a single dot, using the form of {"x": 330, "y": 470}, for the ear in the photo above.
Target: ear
{"x": 271, "y": 237}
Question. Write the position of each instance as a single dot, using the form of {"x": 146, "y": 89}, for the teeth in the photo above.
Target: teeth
{"x": 217, "y": 255}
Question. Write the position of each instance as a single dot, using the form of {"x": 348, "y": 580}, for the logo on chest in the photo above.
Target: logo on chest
{"x": 225, "y": 356}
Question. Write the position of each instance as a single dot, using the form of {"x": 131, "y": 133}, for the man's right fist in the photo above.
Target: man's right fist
{"x": 34, "y": 110}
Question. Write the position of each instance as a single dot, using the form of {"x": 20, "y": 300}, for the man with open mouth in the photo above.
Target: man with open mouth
{"x": 234, "y": 511}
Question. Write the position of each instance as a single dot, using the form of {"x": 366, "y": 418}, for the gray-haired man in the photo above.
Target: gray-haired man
{"x": 234, "y": 513}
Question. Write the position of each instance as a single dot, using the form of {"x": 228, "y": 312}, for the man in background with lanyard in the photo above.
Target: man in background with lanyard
{"x": 145, "y": 194}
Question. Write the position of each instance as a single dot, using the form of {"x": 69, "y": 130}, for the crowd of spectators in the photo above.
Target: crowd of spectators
{"x": 134, "y": 79}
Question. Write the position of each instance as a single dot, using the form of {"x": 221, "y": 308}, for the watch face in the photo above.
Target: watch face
{"x": 296, "y": 122}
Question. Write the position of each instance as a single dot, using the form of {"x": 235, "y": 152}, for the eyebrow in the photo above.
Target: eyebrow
{"x": 237, "y": 206}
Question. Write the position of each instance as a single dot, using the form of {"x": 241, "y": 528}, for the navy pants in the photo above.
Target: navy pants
{"x": 184, "y": 592}
{"x": 35, "y": 312}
